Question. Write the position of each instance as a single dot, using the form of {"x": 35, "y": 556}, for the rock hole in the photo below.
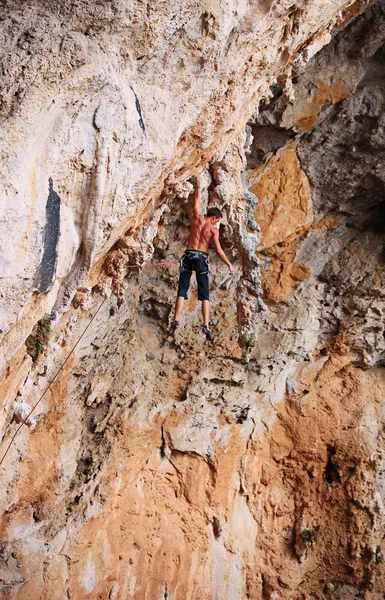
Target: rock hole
{"x": 242, "y": 415}
{"x": 331, "y": 471}
{"x": 217, "y": 529}
{"x": 132, "y": 402}
{"x": 91, "y": 423}
{"x": 265, "y": 588}
{"x": 85, "y": 464}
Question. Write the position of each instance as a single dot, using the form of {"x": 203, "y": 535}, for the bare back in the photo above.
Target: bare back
{"x": 200, "y": 234}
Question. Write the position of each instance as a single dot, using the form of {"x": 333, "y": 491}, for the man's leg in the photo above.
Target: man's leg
{"x": 184, "y": 283}
{"x": 203, "y": 295}
{"x": 178, "y": 307}
{"x": 205, "y": 312}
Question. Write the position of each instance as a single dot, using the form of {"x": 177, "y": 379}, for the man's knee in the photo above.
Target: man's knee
{"x": 182, "y": 291}
{"x": 184, "y": 284}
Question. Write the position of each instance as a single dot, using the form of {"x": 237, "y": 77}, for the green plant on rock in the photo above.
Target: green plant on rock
{"x": 252, "y": 223}
{"x": 37, "y": 342}
{"x": 249, "y": 339}
{"x": 160, "y": 252}
{"x": 309, "y": 536}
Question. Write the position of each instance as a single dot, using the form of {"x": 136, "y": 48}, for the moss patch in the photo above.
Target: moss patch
{"x": 37, "y": 342}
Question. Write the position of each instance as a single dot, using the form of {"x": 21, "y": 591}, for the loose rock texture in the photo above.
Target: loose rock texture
{"x": 175, "y": 469}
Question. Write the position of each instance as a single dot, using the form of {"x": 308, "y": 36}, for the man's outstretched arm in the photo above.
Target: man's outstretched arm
{"x": 197, "y": 198}
{"x": 220, "y": 252}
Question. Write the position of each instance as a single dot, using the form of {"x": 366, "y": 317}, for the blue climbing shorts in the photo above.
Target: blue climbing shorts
{"x": 194, "y": 260}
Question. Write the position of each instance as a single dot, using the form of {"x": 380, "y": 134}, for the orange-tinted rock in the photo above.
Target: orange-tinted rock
{"x": 282, "y": 275}
{"x": 322, "y": 96}
{"x": 284, "y": 194}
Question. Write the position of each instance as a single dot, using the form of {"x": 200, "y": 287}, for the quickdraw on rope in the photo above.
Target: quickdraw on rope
{"x": 25, "y": 420}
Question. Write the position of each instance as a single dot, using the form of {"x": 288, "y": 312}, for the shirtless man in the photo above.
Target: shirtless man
{"x": 196, "y": 258}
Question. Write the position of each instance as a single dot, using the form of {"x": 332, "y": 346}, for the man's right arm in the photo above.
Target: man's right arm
{"x": 220, "y": 252}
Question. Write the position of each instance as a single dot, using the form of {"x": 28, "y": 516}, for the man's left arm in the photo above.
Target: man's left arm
{"x": 220, "y": 252}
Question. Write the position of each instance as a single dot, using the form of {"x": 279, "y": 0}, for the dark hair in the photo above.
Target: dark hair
{"x": 214, "y": 212}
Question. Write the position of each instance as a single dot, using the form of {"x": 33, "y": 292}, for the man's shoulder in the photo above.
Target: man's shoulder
{"x": 214, "y": 230}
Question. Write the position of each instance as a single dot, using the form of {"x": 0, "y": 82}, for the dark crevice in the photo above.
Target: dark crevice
{"x": 45, "y": 274}
{"x": 266, "y": 140}
{"x": 242, "y": 415}
{"x": 139, "y": 111}
{"x": 331, "y": 471}
{"x": 217, "y": 529}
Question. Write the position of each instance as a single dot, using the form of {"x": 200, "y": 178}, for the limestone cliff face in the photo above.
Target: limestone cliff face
{"x": 160, "y": 469}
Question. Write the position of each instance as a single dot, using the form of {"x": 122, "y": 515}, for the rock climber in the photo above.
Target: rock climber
{"x": 204, "y": 229}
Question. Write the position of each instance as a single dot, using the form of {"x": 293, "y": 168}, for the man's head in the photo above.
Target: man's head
{"x": 214, "y": 214}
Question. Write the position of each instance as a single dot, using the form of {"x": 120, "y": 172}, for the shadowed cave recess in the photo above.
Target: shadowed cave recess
{"x": 251, "y": 468}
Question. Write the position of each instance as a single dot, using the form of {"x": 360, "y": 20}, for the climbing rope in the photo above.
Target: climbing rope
{"x": 24, "y": 421}
{"x": 152, "y": 264}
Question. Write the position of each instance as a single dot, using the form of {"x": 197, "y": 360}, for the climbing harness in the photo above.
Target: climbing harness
{"x": 199, "y": 259}
{"x": 25, "y": 420}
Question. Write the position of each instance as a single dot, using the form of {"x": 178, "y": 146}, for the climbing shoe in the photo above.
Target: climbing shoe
{"x": 173, "y": 328}
{"x": 207, "y": 333}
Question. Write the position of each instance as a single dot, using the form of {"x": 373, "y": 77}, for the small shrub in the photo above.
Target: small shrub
{"x": 309, "y": 536}
{"x": 252, "y": 223}
{"x": 160, "y": 252}
{"x": 249, "y": 339}
{"x": 37, "y": 342}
